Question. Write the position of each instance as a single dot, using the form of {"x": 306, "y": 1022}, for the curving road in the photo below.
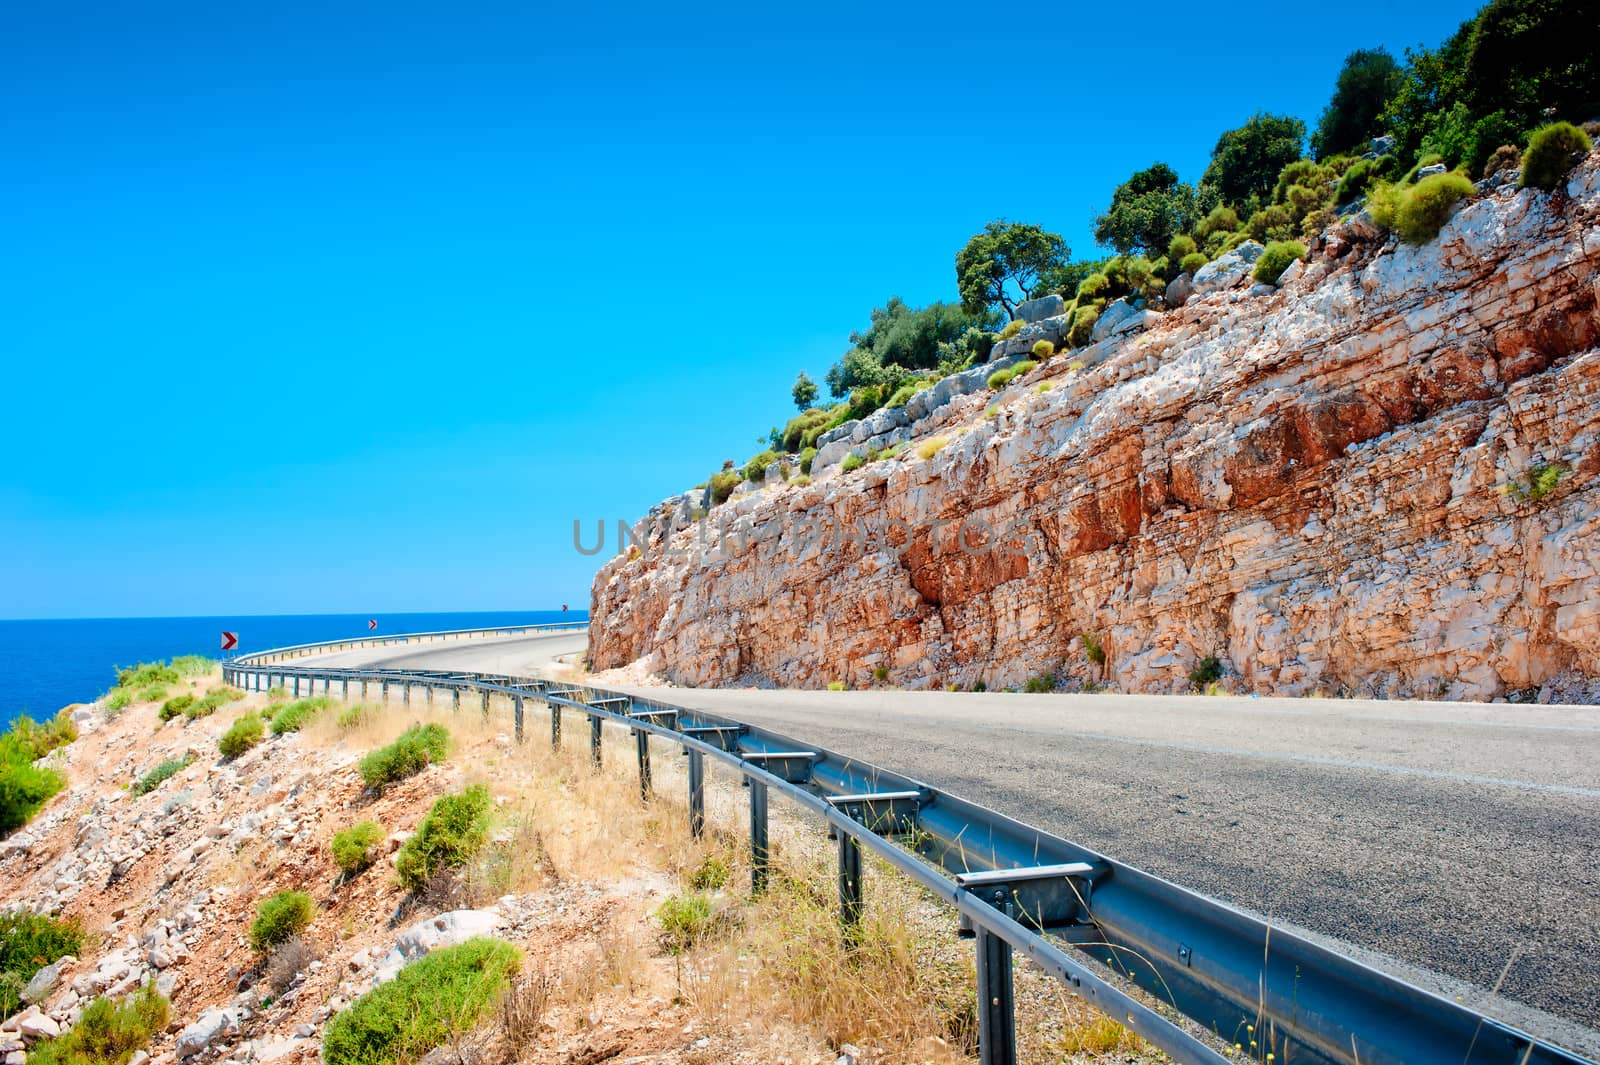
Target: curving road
{"x": 1456, "y": 844}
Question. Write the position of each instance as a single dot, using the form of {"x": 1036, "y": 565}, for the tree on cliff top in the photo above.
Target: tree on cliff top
{"x": 1147, "y": 211}
{"x": 1006, "y": 254}
{"x": 1367, "y": 82}
{"x": 1246, "y": 162}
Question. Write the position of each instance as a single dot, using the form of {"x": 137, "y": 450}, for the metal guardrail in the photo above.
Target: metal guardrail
{"x": 1265, "y": 990}
{"x": 300, "y": 650}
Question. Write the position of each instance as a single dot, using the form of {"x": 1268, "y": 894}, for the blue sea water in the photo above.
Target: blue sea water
{"x": 44, "y": 665}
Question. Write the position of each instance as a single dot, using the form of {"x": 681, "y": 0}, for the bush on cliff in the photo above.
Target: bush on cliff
{"x": 723, "y": 482}
{"x": 352, "y": 847}
{"x": 454, "y": 830}
{"x": 108, "y": 1033}
{"x": 29, "y": 942}
{"x": 1191, "y": 263}
{"x": 1418, "y": 212}
{"x": 851, "y": 462}
{"x": 25, "y": 787}
{"x": 298, "y": 714}
{"x": 412, "y": 751}
{"x": 175, "y": 706}
{"x": 286, "y": 914}
{"x": 1551, "y": 152}
{"x": 433, "y": 1000}
{"x": 1276, "y": 259}
{"x": 242, "y": 735}
{"x": 159, "y": 775}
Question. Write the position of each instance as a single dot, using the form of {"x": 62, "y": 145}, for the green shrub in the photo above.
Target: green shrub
{"x": 838, "y": 686}
{"x": 29, "y": 740}
{"x": 117, "y": 699}
{"x": 175, "y": 706}
{"x": 209, "y": 703}
{"x": 1541, "y": 480}
{"x": 712, "y": 874}
{"x": 145, "y": 674}
{"x": 1083, "y": 320}
{"x": 277, "y": 693}
{"x": 107, "y": 1033}
{"x": 298, "y": 714}
{"x": 1551, "y": 152}
{"x": 1207, "y": 671}
{"x": 1276, "y": 259}
{"x": 454, "y": 830}
{"x": 1093, "y": 287}
{"x": 1356, "y": 180}
{"x": 803, "y": 425}
{"x": 412, "y": 751}
{"x": 1093, "y": 649}
{"x": 242, "y": 735}
{"x": 684, "y": 920}
{"x": 158, "y": 776}
{"x": 1425, "y": 207}
{"x": 352, "y": 847}
{"x": 1179, "y": 246}
{"x": 1044, "y": 682}
{"x": 1043, "y": 350}
{"x": 433, "y": 1000}
{"x": 1012, "y": 328}
{"x": 852, "y": 461}
{"x": 286, "y": 914}
{"x": 1222, "y": 219}
{"x": 24, "y": 786}
{"x": 155, "y": 693}
{"x": 807, "y": 454}
{"x": 192, "y": 665}
{"x": 351, "y": 716}
{"x": 755, "y": 471}
{"x": 1191, "y": 263}
{"x": 29, "y": 942}
{"x": 1505, "y": 157}
{"x": 723, "y": 482}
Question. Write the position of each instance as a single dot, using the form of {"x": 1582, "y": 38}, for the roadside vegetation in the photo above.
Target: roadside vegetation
{"x": 24, "y": 785}
{"x": 108, "y": 1033}
{"x": 1504, "y": 91}
{"x": 280, "y": 918}
{"x": 29, "y": 942}
{"x": 413, "y": 751}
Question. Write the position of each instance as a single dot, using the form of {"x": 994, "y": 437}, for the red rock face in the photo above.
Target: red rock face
{"x": 1332, "y": 487}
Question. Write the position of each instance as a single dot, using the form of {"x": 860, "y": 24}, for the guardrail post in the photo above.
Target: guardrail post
{"x": 405, "y": 694}
{"x": 455, "y": 699}
{"x": 363, "y": 687}
{"x": 641, "y": 739}
{"x": 758, "y": 837}
{"x": 297, "y": 687}
{"x": 385, "y": 692}
{"x": 555, "y": 726}
{"x": 516, "y": 710}
{"x": 594, "y": 739}
{"x": 997, "y": 1021}
{"x": 697, "y": 793}
{"x": 344, "y": 690}
{"x": 485, "y": 704}
{"x": 849, "y": 883}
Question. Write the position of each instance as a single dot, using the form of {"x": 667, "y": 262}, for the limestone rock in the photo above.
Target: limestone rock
{"x": 212, "y": 1025}
{"x": 1179, "y": 290}
{"x": 1037, "y": 310}
{"x": 1227, "y": 270}
{"x": 445, "y": 930}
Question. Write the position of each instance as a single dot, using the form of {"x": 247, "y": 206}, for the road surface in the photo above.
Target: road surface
{"x": 1455, "y": 844}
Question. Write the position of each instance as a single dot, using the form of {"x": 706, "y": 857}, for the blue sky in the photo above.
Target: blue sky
{"x": 355, "y": 307}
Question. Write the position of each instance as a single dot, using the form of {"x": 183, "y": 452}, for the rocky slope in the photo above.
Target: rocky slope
{"x": 1379, "y": 476}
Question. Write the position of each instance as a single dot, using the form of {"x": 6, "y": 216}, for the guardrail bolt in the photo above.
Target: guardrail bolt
{"x": 697, "y": 793}
{"x": 849, "y": 885}
{"x": 758, "y": 836}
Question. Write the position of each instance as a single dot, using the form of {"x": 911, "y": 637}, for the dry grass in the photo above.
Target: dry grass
{"x": 287, "y": 961}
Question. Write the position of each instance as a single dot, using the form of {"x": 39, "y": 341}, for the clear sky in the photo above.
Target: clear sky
{"x": 355, "y": 307}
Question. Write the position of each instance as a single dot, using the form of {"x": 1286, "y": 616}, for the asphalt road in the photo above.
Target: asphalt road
{"x": 1456, "y": 844}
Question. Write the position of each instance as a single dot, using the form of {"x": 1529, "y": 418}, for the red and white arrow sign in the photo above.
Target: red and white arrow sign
{"x": 230, "y": 640}
{"x": 372, "y": 623}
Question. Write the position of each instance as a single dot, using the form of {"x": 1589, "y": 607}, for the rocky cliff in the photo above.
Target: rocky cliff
{"x": 1381, "y": 476}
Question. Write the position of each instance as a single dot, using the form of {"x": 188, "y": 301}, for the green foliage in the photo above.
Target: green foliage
{"x": 145, "y": 674}
{"x": 1541, "y": 480}
{"x": 193, "y": 665}
{"x": 209, "y": 703}
{"x": 1083, "y": 319}
{"x": 280, "y": 916}
{"x": 158, "y": 776}
{"x": 804, "y": 392}
{"x": 25, "y": 787}
{"x": 1276, "y": 259}
{"x": 1093, "y": 649}
{"x": 1369, "y": 79}
{"x": 1044, "y": 682}
{"x": 1180, "y": 246}
{"x": 1527, "y": 56}
{"x": 1222, "y": 219}
{"x": 1417, "y": 213}
{"x": 852, "y": 462}
{"x": 1093, "y": 287}
{"x": 1003, "y": 264}
{"x": 903, "y": 394}
{"x": 899, "y": 341}
{"x": 1192, "y": 262}
{"x": 1505, "y": 157}
{"x": 1273, "y": 222}
{"x": 1013, "y": 327}
{"x": 807, "y": 456}
{"x": 755, "y": 471}
{"x": 1551, "y": 152}
{"x": 277, "y": 693}
{"x": 803, "y": 429}
{"x": 29, "y": 942}
{"x": 454, "y": 830}
{"x": 175, "y": 706}
{"x": 242, "y": 735}
{"x": 1356, "y": 180}
{"x": 1000, "y": 378}
{"x": 352, "y": 847}
{"x": 298, "y": 714}
{"x": 970, "y": 348}
{"x": 1207, "y": 671}
{"x": 684, "y": 920}
{"x": 412, "y": 751}
{"x": 352, "y": 716}
{"x": 1459, "y": 138}
{"x": 155, "y": 693}
{"x": 838, "y": 686}
{"x": 1246, "y": 161}
{"x": 107, "y": 1033}
{"x": 712, "y": 874}
{"x": 1147, "y": 211}
{"x": 723, "y": 482}
{"x": 1043, "y": 350}
{"x": 435, "y": 999}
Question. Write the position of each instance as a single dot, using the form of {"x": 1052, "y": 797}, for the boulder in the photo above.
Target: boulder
{"x": 1037, "y": 310}
{"x": 1119, "y": 318}
{"x": 1292, "y": 272}
{"x": 34, "y": 1025}
{"x": 1383, "y": 145}
{"x": 1227, "y": 270}
{"x": 1180, "y": 290}
{"x": 445, "y": 930}
{"x": 45, "y": 980}
{"x": 1429, "y": 171}
{"x": 212, "y": 1025}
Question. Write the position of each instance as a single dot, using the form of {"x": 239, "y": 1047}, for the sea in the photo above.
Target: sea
{"x": 48, "y": 664}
